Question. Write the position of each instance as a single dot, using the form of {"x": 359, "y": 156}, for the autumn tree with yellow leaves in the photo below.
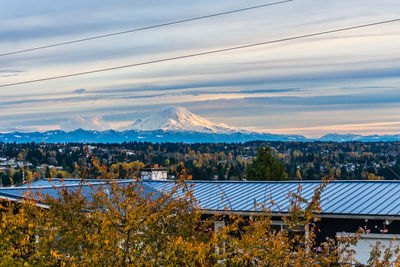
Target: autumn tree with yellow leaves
{"x": 131, "y": 225}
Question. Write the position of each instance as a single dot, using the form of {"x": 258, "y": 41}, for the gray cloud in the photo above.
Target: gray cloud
{"x": 80, "y": 91}
{"x": 76, "y": 99}
{"x": 9, "y": 73}
{"x": 84, "y": 122}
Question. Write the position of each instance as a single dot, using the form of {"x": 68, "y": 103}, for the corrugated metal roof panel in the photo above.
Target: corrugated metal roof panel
{"x": 372, "y": 195}
{"x": 340, "y": 197}
{"x": 353, "y": 199}
{"x": 389, "y": 191}
{"x": 337, "y": 202}
{"x": 51, "y": 187}
{"x": 392, "y": 201}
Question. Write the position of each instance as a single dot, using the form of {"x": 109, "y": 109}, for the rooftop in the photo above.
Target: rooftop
{"x": 353, "y": 199}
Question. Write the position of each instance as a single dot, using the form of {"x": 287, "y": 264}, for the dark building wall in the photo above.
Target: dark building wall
{"x": 329, "y": 227}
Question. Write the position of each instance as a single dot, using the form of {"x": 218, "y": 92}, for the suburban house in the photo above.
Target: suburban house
{"x": 154, "y": 172}
{"x": 346, "y": 205}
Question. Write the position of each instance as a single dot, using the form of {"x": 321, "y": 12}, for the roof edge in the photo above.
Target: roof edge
{"x": 317, "y": 215}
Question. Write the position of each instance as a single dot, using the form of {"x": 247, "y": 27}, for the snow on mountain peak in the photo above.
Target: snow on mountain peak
{"x": 179, "y": 119}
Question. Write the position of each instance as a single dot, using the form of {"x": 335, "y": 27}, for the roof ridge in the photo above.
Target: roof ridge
{"x": 63, "y": 185}
{"x": 288, "y": 181}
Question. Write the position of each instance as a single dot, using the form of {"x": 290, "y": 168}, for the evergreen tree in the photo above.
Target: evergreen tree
{"x": 266, "y": 167}
{"x": 47, "y": 172}
{"x": 5, "y": 179}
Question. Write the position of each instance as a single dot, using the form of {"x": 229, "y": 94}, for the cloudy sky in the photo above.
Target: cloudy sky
{"x": 346, "y": 82}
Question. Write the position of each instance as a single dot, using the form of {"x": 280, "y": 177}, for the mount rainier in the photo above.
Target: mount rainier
{"x": 180, "y": 119}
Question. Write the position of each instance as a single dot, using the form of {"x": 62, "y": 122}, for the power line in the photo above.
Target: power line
{"x": 206, "y": 52}
{"x": 142, "y": 29}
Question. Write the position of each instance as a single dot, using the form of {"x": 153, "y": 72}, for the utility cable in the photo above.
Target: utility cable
{"x": 142, "y": 29}
{"x": 205, "y": 53}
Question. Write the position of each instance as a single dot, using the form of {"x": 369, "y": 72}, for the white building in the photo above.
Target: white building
{"x": 154, "y": 172}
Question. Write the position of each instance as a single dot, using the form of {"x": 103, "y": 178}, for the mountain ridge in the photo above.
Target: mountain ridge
{"x": 177, "y": 124}
{"x": 158, "y": 136}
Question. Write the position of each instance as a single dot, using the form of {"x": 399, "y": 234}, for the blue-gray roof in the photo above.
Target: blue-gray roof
{"x": 51, "y": 187}
{"x": 350, "y": 198}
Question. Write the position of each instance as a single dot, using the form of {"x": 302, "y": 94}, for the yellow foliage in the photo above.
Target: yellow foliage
{"x": 126, "y": 170}
{"x": 372, "y": 176}
{"x": 122, "y": 225}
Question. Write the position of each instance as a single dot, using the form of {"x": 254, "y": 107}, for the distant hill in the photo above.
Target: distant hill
{"x": 359, "y": 138}
{"x": 111, "y": 136}
{"x": 157, "y": 136}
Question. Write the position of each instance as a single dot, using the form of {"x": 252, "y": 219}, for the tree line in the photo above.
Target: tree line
{"x": 207, "y": 161}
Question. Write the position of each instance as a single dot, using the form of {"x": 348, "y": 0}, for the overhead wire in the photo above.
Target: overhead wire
{"x": 205, "y": 52}
{"x": 143, "y": 28}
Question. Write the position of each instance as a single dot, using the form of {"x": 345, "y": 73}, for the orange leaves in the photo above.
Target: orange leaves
{"x": 123, "y": 225}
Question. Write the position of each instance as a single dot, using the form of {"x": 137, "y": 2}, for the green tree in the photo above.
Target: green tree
{"x": 5, "y": 179}
{"x": 266, "y": 167}
{"x": 47, "y": 172}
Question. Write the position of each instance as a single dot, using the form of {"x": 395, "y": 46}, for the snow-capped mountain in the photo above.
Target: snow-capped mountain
{"x": 176, "y": 124}
{"x": 179, "y": 119}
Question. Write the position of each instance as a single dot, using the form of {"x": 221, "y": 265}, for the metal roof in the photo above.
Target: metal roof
{"x": 356, "y": 199}
{"x": 363, "y": 199}
{"x": 51, "y": 187}
{"x": 66, "y": 182}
